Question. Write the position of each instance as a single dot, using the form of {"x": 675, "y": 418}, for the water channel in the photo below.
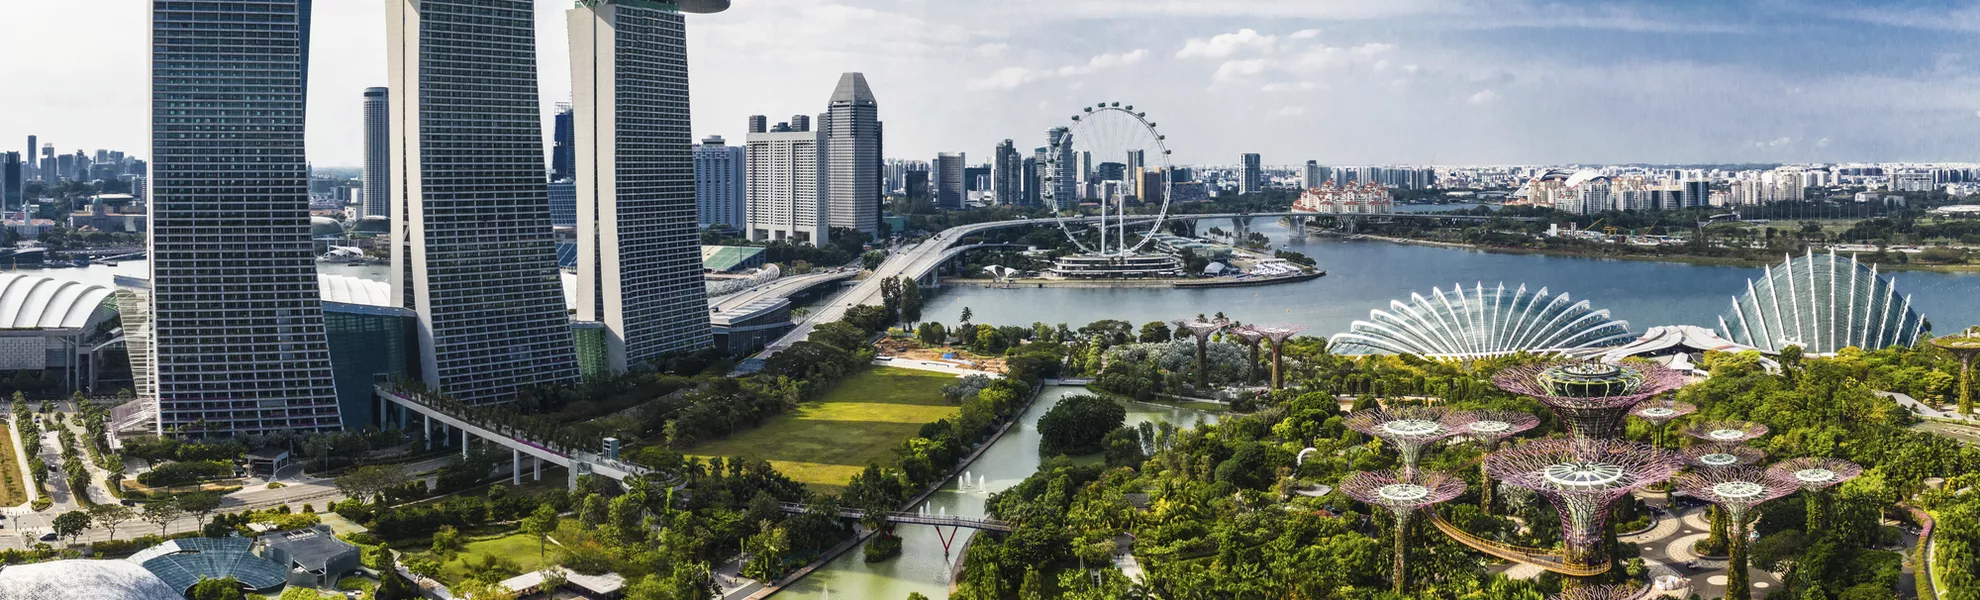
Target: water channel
{"x": 921, "y": 566}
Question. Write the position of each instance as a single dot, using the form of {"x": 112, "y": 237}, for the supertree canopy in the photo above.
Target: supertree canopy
{"x": 1582, "y": 478}
{"x": 1661, "y": 412}
{"x": 1203, "y": 329}
{"x": 1591, "y": 398}
{"x": 1622, "y": 591}
{"x": 1251, "y": 337}
{"x": 1816, "y": 476}
{"x": 1721, "y": 456}
{"x": 1725, "y": 432}
{"x": 1736, "y": 491}
{"x": 1403, "y": 494}
{"x": 1493, "y": 427}
{"x": 1278, "y": 334}
{"x": 1410, "y": 428}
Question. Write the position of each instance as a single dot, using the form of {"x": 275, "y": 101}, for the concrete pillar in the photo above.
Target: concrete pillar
{"x": 464, "y": 442}
{"x": 515, "y": 466}
{"x": 429, "y": 431}
{"x": 536, "y": 465}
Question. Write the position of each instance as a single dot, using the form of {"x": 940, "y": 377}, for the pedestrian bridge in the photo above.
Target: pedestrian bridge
{"x": 434, "y": 410}
{"x": 911, "y": 518}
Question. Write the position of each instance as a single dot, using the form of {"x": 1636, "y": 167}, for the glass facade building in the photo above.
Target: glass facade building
{"x": 1482, "y": 322}
{"x": 476, "y": 256}
{"x": 236, "y": 325}
{"x": 639, "y": 247}
{"x": 1823, "y": 303}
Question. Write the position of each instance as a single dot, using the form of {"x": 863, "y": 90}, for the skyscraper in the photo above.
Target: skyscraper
{"x": 238, "y": 342}
{"x": 1697, "y": 193}
{"x": 474, "y": 257}
{"x": 27, "y": 169}
{"x": 639, "y": 254}
{"x": 785, "y": 185}
{"x": 719, "y": 192}
{"x": 563, "y": 144}
{"x": 10, "y": 179}
{"x": 1252, "y": 179}
{"x": 377, "y": 152}
{"x": 948, "y": 172}
{"x": 1136, "y": 159}
{"x": 851, "y": 127}
{"x": 1310, "y": 176}
{"x": 1008, "y": 173}
{"x": 1064, "y": 183}
{"x": 1030, "y": 176}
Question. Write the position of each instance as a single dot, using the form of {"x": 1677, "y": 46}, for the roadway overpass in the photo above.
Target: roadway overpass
{"x": 920, "y": 261}
{"x": 781, "y": 288}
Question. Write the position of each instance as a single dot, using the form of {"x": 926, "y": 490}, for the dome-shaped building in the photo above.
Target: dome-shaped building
{"x": 325, "y": 229}
{"x": 372, "y": 226}
{"x": 1822, "y": 303}
{"x": 1482, "y": 322}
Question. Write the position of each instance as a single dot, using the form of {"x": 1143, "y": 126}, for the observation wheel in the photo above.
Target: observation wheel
{"x": 1112, "y": 138}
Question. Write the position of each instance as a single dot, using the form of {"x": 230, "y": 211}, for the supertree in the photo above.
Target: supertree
{"x": 1202, "y": 329}
{"x": 1736, "y": 491}
{"x": 1403, "y": 494}
{"x": 1492, "y": 427}
{"x": 1410, "y": 428}
{"x": 1964, "y": 345}
{"x": 1721, "y": 456}
{"x": 1660, "y": 413}
{"x": 1251, "y": 337}
{"x": 1620, "y": 591}
{"x": 1725, "y": 432}
{"x": 1591, "y": 398}
{"x": 1582, "y": 478}
{"x": 1816, "y": 476}
{"x": 1278, "y": 334}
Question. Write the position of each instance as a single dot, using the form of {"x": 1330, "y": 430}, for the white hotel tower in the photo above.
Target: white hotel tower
{"x": 473, "y": 253}
{"x": 239, "y": 343}
{"x": 639, "y": 249}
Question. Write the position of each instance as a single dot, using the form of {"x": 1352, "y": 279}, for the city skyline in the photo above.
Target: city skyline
{"x": 1423, "y": 83}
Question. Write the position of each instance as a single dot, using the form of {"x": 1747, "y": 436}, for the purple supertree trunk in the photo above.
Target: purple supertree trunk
{"x": 1582, "y": 478}
{"x": 1404, "y": 495}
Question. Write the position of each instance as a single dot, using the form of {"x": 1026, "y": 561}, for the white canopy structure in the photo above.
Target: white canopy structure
{"x": 1483, "y": 322}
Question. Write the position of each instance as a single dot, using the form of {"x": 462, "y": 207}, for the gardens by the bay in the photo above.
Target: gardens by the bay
{"x": 1520, "y": 476}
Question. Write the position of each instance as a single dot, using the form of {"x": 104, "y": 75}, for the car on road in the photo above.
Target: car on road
{"x": 48, "y": 537}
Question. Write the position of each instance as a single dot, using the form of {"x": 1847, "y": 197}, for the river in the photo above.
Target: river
{"x": 921, "y": 566}
{"x": 1365, "y": 275}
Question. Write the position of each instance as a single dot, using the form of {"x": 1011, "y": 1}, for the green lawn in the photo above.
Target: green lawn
{"x": 823, "y": 444}
{"x": 13, "y": 491}
{"x": 519, "y": 547}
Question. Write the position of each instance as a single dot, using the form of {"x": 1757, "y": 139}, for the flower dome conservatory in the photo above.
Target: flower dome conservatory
{"x": 1823, "y": 303}
{"x": 1482, "y": 322}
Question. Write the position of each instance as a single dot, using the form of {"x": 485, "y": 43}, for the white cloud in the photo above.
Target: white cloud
{"x": 1226, "y": 45}
{"x": 1233, "y": 70}
{"x": 1305, "y": 34}
{"x": 1288, "y": 86}
{"x": 1822, "y": 143}
{"x": 1483, "y": 97}
{"x": 1289, "y": 111}
{"x": 1012, "y": 77}
{"x": 992, "y": 50}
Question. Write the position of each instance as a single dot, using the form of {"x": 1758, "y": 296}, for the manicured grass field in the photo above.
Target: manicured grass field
{"x": 823, "y": 444}
{"x": 13, "y": 491}
{"x": 519, "y": 547}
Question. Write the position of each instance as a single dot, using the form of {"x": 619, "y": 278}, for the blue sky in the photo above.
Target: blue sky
{"x": 1340, "y": 81}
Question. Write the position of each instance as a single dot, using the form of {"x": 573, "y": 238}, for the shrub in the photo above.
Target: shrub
{"x": 182, "y": 473}
{"x": 1077, "y": 424}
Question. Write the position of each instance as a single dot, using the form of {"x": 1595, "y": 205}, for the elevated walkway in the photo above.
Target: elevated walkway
{"x": 1544, "y": 559}
{"x": 911, "y": 518}
{"x": 577, "y": 461}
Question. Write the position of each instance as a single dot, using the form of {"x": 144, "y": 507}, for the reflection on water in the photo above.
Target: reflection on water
{"x": 921, "y": 567}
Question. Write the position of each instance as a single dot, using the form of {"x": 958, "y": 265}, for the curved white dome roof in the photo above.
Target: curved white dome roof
{"x": 94, "y": 579}
{"x": 1823, "y": 303}
{"x": 1482, "y": 321}
{"x": 354, "y": 290}
{"x": 36, "y": 302}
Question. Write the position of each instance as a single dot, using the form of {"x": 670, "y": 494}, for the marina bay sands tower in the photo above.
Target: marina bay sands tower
{"x": 473, "y": 253}
{"x": 639, "y": 253}
{"x": 237, "y": 339}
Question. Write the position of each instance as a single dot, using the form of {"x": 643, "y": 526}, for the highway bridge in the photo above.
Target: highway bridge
{"x": 920, "y": 261}
{"x": 781, "y": 288}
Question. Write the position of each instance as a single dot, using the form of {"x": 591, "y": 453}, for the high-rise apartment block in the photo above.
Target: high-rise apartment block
{"x": 786, "y": 184}
{"x": 1063, "y": 173}
{"x": 11, "y": 179}
{"x": 639, "y": 251}
{"x": 27, "y": 162}
{"x": 475, "y": 257}
{"x": 377, "y": 152}
{"x": 236, "y": 321}
{"x": 1008, "y": 173}
{"x": 1252, "y": 176}
{"x": 1311, "y": 176}
{"x": 948, "y": 171}
{"x": 851, "y": 127}
{"x": 720, "y": 194}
